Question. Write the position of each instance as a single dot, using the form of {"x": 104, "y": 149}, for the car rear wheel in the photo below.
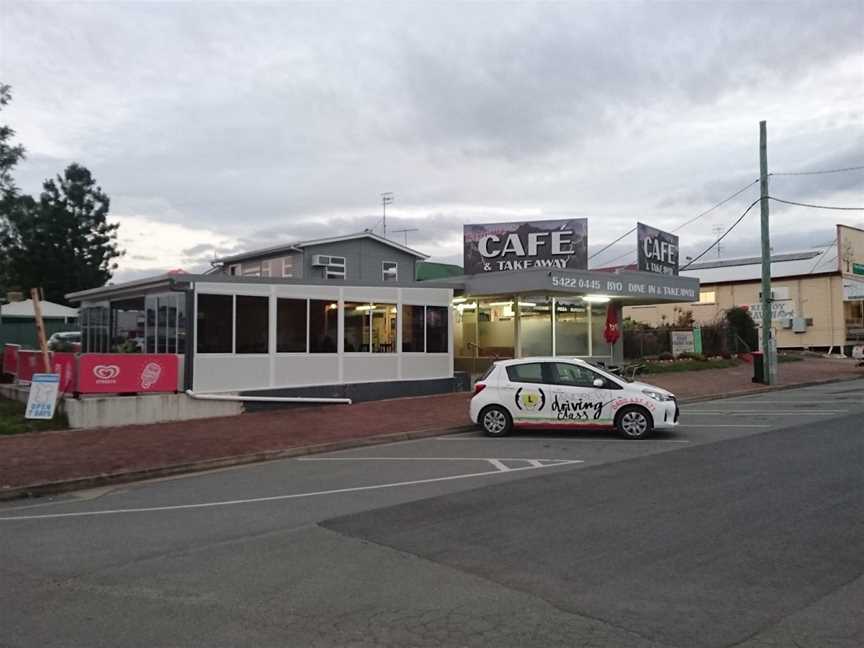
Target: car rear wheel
{"x": 634, "y": 423}
{"x": 496, "y": 421}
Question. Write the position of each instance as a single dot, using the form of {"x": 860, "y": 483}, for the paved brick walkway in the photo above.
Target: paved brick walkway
{"x": 40, "y": 458}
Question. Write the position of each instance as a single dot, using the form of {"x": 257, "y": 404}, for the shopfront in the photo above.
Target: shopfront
{"x": 562, "y": 312}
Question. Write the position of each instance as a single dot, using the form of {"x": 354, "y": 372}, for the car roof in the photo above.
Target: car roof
{"x": 517, "y": 361}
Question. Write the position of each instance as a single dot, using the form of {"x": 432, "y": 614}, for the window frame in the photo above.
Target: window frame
{"x": 395, "y": 278}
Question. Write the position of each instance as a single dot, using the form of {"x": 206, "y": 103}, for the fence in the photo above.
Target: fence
{"x": 717, "y": 339}
{"x": 24, "y": 332}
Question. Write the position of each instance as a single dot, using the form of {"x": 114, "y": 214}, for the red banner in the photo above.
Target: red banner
{"x": 29, "y": 362}
{"x": 10, "y": 358}
{"x": 111, "y": 373}
{"x": 65, "y": 364}
{"x": 612, "y": 330}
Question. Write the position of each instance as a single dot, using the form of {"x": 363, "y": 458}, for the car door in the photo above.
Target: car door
{"x": 525, "y": 393}
{"x": 580, "y": 396}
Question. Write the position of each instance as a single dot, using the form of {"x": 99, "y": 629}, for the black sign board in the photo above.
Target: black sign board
{"x": 503, "y": 247}
{"x": 658, "y": 251}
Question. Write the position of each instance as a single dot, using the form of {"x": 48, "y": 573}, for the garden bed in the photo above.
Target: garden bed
{"x": 12, "y": 420}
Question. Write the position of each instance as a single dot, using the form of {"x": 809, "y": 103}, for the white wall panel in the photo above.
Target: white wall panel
{"x": 367, "y": 367}
{"x": 299, "y": 370}
{"x": 222, "y": 372}
{"x": 431, "y": 365}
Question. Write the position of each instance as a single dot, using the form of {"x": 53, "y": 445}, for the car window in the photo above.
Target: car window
{"x": 573, "y": 375}
{"x": 531, "y": 372}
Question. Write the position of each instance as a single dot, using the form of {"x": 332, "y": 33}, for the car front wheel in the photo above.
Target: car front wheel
{"x": 634, "y": 423}
{"x": 496, "y": 421}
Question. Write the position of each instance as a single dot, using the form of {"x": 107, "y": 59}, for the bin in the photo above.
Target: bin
{"x": 758, "y": 367}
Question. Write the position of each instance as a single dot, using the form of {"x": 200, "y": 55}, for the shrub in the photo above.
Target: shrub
{"x": 743, "y": 327}
{"x": 665, "y": 356}
{"x": 692, "y": 356}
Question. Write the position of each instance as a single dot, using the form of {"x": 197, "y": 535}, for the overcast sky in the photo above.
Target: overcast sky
{"x": 220, "y": 127}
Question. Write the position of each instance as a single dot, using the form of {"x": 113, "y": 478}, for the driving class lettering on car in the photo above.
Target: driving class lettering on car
{"x": 579, "y": 410}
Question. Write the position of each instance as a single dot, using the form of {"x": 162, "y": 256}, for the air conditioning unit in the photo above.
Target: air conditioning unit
{"x": 777, "y": 294}
{"x": 334, "y": 273}
{"x": 787, "y": 322}
{"x": 799, "y": 325}
{"x": 320, "y": 260}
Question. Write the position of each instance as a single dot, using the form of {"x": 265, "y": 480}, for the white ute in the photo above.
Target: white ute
{"x": 567, "y": 393}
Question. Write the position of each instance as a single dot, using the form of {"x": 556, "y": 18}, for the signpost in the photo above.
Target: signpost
{"x": 43, "y": 396}
{"x": 657, "y": 250}
{"x": 502, "y": 247}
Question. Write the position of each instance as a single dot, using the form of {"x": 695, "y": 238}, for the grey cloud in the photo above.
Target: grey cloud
{"x": 284, "y": 122}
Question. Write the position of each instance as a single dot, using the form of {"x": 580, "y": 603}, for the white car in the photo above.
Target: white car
{"x": 567, "y": 393}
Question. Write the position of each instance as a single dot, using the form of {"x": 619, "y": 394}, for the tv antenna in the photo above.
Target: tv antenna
{"x": 405, "y": 232}
{"x": 386, "y": 199}
{"x": 718, "y": 231}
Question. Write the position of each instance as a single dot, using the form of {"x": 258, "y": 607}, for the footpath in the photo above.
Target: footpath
{"x": 51, "y": 462}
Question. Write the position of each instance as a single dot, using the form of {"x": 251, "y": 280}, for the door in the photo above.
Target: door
{"x": 576, "y": 399}
{"x": 525, "y": 393}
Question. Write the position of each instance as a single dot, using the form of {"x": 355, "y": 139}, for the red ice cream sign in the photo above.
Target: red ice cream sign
{"x": 120, "y": 373}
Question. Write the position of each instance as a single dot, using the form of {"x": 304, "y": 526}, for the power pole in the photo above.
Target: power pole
{"x": 386, "y": 199}
{"x": 769, "y": 349}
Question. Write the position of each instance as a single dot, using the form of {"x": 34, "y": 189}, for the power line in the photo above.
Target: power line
{"x": 710, "y": 247}
{"x": 806, "y": 173}
{"x": 792, "y": 202}
{"x": 627, "y": 233}
{"x": 820, "y": 255}
{"x": 680, "y": 227}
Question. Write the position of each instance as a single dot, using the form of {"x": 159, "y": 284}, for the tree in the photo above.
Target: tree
{"x": 743, "y": 327}
{"x": 63, "y": 242}
{"x": 10, "y": 154}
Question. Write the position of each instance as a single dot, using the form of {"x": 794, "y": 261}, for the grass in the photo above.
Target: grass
{"x": 12, "y": 420}
{"x": 688, "y": 365}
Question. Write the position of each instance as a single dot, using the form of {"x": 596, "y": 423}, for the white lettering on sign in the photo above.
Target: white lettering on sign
{"x": 562, "y": 244}
{"x": 615, "y": 287}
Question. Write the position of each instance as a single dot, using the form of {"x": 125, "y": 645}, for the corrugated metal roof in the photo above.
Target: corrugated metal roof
{"x": 298, "y": 245}
{"x": 750, "y": 268}
{"x": 24, "y": 308}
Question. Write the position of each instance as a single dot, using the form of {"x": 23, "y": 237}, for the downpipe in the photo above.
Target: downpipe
{"x": 268, "y": 399}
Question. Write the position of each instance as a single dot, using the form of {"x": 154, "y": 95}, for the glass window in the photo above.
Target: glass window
{"x": 181, "y": 323}
{"x": 535, "y": 322}
{"x": 573, "y": 375}
{"x": 253, "y": 324}
{"x": 571, "y": 329}
{"x": 215, "y": 319}
{"x": 323, "y": 326}
{"x": 707, "y": 297}
{"x": 437, "y": 329}
{"x": 384, "y": 328}
{"x": 389, "y": 271}
{"x": 356, "y": 327}
{"x": 495, "y": 329}
{"x": 531, "y": 372}
{"x": 599, "y": 345}
{"x": 291, "y": 325}
{"x": 413, "y": 318}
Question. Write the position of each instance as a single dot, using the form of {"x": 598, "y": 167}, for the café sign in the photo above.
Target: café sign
{"x": 529, "y": 245}
{"x": 658, "y": 250}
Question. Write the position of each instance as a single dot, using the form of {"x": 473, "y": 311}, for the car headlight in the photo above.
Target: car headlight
{"x": 650, "y": 393}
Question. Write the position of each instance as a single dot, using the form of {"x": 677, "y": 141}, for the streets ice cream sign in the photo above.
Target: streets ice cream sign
{"x": 502, "y": 247}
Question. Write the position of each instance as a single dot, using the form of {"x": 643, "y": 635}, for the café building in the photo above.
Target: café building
{"x": 347, "y": 316}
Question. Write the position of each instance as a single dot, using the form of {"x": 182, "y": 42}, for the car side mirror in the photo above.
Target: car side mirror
{"x": 599, "y": 382}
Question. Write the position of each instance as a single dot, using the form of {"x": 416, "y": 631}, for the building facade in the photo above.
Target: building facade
{"x": 817, "y": 295}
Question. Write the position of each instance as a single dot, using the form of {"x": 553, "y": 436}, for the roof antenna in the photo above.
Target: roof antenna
{"x": 386, "y": 199}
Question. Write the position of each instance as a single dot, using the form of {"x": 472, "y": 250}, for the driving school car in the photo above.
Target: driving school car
{"x": 567, "y": 393}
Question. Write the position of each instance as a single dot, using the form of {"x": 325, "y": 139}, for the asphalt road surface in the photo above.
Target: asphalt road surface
{"x": 744, "y": 527}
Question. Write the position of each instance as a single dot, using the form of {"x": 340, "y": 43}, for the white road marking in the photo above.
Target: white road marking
{"x": 427, "y": 459}
{"x": 553, "y": 463}
{"x": 568, "y": 440}
{"x": 723, "y": 425}
{"x": 500, "y": 466}
{"x": 774, "y": 412}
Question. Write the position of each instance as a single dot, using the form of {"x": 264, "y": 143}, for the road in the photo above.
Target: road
{"x": 742, "y": 528}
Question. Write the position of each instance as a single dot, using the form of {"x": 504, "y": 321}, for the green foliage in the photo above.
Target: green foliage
{"x": 63, "y": 242}
{"x": 10, "y": 154}
{"x": 12, "y": 420}
{"x": 666, "y": 356}
{"x": 743, "y": 326}
{"x": 691, "y": 356}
